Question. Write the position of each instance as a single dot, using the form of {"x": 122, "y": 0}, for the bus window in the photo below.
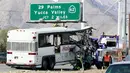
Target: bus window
{"x": 59, "y": 40}
{"x": 45, "y": 40}
{"x": 57, "y": 43}
{"x": 65, "y": 38}
{"x": 50, "y": 39}
{"x": 20, "y": 46}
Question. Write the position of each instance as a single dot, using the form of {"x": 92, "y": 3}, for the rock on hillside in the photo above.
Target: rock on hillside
{"x": 16, "y": 13}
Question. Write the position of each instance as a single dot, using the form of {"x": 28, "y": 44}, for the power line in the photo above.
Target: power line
{"x": 104, "y": 14}
{"x": 112, "y": 6}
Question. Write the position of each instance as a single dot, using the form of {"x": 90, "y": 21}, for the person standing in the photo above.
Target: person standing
{"x": 107, "y": 59}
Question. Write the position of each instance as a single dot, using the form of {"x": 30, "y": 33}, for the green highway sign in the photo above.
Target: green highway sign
{"x": 55, "y": 11}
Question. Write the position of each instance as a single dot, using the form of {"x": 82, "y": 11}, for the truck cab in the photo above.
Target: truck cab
{"x": 106, "y": 43}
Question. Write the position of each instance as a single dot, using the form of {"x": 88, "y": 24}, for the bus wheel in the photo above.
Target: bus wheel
{"x": 51, "y": 65}
{"x": 87, "y": 66}
{"x": 44, "y": 64}
{"x": 98, "y": 65}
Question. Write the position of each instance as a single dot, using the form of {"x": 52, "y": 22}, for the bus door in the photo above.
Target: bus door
{"x": 45, "y": 46}
{"x": 57, "y": 43}
{"x": 63, "y": 53}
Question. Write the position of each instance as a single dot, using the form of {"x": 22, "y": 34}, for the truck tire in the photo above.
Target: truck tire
{"x": 44, "y": 64}
{"x": 51, "y": 65}
{"x": 98, "y": 65}
{"x": 87, "y": 66}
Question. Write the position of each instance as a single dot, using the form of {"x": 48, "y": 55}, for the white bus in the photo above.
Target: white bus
{"x": 44, "y": 47}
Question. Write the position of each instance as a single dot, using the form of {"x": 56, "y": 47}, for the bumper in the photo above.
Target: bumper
{"x": 21, "y": 65}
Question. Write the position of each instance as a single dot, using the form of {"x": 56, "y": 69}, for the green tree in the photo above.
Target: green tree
{"x": 3, "y": 38}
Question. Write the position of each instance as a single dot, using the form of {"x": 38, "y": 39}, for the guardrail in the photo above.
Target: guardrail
{"x": 2, "y": 57}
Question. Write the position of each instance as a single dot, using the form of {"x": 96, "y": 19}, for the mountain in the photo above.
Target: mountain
{"x": 16, "y": 13}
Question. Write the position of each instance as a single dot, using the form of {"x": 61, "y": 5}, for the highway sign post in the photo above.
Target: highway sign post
{"x": 55, "y": 11}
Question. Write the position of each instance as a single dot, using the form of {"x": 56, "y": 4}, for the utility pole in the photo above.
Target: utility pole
{"x": 83, "y": 18}
{"x": 129, "y": 33}
{"x": 122, "y": 24}
{"x": 119, "y": 23}
{"x": 125, "y": 27}
{"x": 125, "y": 17}
{"x": 119, "y": 18}
{"x": 82, "y": 25}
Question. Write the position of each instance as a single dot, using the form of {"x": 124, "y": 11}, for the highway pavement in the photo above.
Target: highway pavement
{"x": 65, "y": 69}
{"x": 5, "y": 68}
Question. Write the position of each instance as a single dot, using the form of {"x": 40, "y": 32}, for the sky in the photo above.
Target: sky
{"x": 100, "y": 14}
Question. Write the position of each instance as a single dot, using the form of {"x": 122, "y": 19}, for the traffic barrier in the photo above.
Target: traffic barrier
{"x": 2, "y": 57}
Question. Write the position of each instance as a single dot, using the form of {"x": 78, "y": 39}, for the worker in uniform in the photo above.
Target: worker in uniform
{"x": 107, "y": 59}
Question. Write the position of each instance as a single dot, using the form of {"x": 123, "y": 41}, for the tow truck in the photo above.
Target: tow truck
{"x": 108, "y": 43}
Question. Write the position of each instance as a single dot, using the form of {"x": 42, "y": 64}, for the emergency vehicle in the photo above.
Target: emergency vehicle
{"x": 107, "y": 43}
